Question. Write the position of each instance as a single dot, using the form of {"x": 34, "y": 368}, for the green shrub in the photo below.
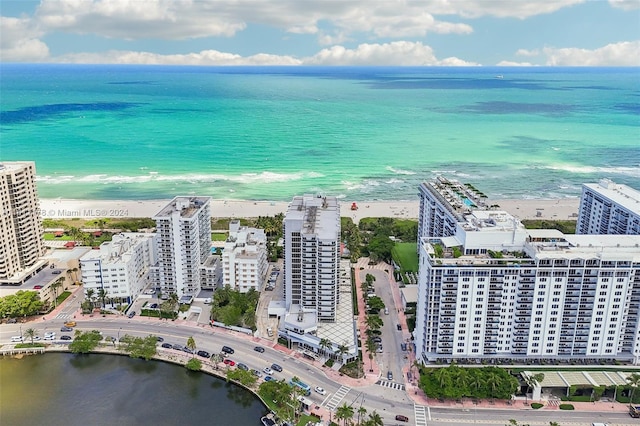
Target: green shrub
{"x": 566, "y": 407}
{"x": 536, "y": 405}
{"x": 329, "y": 363}
{"x": 194, "y": 364}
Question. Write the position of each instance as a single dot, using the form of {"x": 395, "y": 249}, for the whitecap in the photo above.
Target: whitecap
{"x": 400, "y": 171}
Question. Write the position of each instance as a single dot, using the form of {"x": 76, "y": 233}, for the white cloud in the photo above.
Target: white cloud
{"x": 625, "y": 4}
{"x": 514, "y": 64}
{"x": 205, "y": 57}
{"x": 501, "y": 8}
{"x": 616, "y": 54}
{"x": 526, "y": 52}
{"x": 19, "y": 41}
{"x": 401, "y": 53}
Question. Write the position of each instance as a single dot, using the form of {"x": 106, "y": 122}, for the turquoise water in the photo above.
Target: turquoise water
{"x": 269, "y": 133}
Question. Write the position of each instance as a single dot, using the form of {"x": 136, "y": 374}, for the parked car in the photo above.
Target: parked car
{"x": 159, "y": 339}
{"x": 50, "y": 335}
{"x": 227, "y": 350}
{"x": 131, "y": 314}
{"x": 403, "y": 346}
{"x": 242, "y": 366}
{"x": 268, "y": 371}
{"x": 229, "y": 362}
{"x": 389, "y": 375}
{"x": 187, "y": 350}
{"x": 12, "y": 321}
{"x": 177, "y": 347}
{"x": 320, "y": 390}
{"x": 259, "y": 349}
{"x": 268, "y": 378}
{"x": 256, "y": 373}
{"x": 376, "y": 339}
{"x": 66, "y": 329}
{"x": 402, "y": 418}
{"x": 276, "y": 367}
{"x": 37, "y": 287}
{"x": 16, "y": 339}
{"x": 203, "y": 354}
{"x": 153, "y": 306}
{"x": 65, "y": 337}
{"x": 167, "y": 345}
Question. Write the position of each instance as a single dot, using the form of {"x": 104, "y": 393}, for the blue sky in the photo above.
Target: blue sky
{"x": 323, "y": 32}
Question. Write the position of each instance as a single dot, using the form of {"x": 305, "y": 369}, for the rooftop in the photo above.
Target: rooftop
{"x": 13, "y": 166}
{"x": 319, "y": 215}
{"x": 186, "y": 206}
{"x": 459, "y": 198}
{"x": 623, "y": 195}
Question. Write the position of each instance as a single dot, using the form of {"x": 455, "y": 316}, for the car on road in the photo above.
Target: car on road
{"x": 320, "y": 390}
{"x": 401, "y": 418}
{"x": 276, "y": 367}
{"x": 399, "y": 327}
{"x": 167, "y": 345}
{"x": 177, "y": 347}
{"x": 131, "y": 314}
{"x": 389, "y": 375}
{"x": 37, "y": 287}
{"x": 259, "y": 349}
{"x": 203, "y": 354}
{"x": 50, "y": 335}
{"x": 16, "y": 338}
{"x": 268, "y": 378}
{"x": 70, "y": 324}
{"x": 376, "y": 339}
{"x": 227, "y": 350}
{"x": 65, "y": 337}
{"x": 403, "y": 346}
{"x": 242, "y": 366}
{"x": 187, "y": 350}
{"x": 379, "y": 349}
{"x": 256, "y": 373}
{"x": 160, "y": 339}
{"x": 12, "y": 321}
{"x": 65, "y": 329}
{"x": 229, "y": 362}
{"x": 267, "y": 370}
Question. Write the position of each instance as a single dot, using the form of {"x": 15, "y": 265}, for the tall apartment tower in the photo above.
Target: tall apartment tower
{"x": 311, "y": 255}
{"x": 184, "y": 244}
{"x": 609, "y": 208}
{"x": 21, "y": 232}
{"x": 496, "y": 290}
{"x": 443, "y": 204}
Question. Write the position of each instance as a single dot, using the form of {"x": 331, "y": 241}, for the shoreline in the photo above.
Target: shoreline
{"x": 59, "y": 208}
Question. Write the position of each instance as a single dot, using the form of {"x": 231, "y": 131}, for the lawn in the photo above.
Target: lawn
{"x": 49, "y": 236}
{"x": 406, "y": 255}
{"x": 218, "y": 236}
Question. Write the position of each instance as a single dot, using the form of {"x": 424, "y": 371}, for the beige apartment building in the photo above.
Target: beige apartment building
{"x": 21, "y": 232}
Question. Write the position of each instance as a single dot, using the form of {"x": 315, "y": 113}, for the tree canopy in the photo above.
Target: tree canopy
{"x": 456, "y": 382}
{"x": 139, "y": 347}
{"x": 21, "y": 304}
{"x": 232, "y": 307}
{"x": 85, "y": 342}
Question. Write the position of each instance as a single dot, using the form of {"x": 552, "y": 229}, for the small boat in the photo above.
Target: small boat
{"x": 267, "y": 421}
{"x": 499, "y": 76}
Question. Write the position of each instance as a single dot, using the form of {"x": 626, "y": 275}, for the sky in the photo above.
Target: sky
{"x": 323, "y": 32}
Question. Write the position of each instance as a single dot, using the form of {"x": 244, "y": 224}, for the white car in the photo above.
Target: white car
{"x": 16, "y": 338}
{"x": 320, "y": 390}
{"x": 268, "y": 371}
{"x": 50, "y": 335}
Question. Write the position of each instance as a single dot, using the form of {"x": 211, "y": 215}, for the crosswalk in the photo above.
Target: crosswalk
{"x": 392, "y": 385}
{"x": 420, "y": 414}
{"x": 337, "y": 398}
{"x": 63, "y": 316}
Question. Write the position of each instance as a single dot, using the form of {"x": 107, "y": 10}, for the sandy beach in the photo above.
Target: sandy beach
{"x": 560, "y": 209}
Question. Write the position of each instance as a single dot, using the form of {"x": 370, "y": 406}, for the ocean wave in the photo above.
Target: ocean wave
{"x": 626, "y": 171}
{"x": 244, "y": 178}
{"x": 399, "y": 171}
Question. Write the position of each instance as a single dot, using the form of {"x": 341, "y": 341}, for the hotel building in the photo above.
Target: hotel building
{"x": 121, "y": 267}
{"x": 244, "y": 259}
{"x": 21, "y": 232}
{"x": 609, "y": 208}
{"x": 443, "y": 203}
{"x": 312, "y": 255}
{"x": 184, "y": 245}
{"x": 497, "y": 290}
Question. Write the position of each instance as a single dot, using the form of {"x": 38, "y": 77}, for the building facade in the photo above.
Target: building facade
{"x": 496, "y": 290}
{"x": 184, "y": 244}
{"x": 311, "y": 255}
{"x": 121, "y": 267}
{"x": 21, "y": 232}
{"x": 244, "y": 259}
{"x": 443, "y": 203}
{"x": 609, "y": 208}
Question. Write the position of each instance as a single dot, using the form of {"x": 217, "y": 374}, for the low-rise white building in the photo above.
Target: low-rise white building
{"x": 121, "y": 266}
{"x": 244, "y": 259}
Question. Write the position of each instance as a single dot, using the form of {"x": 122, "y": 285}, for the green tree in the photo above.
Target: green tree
{"x": 216, "y": 359}
{"x": 375, "y": 304}
{"x": 20, "y": 304}
{"x": 31, "y": 333}
{"x": 342, "y": 351}
{"x": 191, "y": 344}
{"x": 85, "y": 342}
{"x": 102, "y": 295}
{"x": 361, "y": 412}
{"x": 375, "y": 419}
{"x": 90, "y": 293}
{"x": 344, "y": 413}
{"x": 193, "y": 364}
{"x": 634, "y": 381}
{"x": 325, "y": 344}
{"x": 139, "y": 347}
{"x": 55, "y": 286}
{"x": 374, "y": 322}
{"x": 246, "y": 378}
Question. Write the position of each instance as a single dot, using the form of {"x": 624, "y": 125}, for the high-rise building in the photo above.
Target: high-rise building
{"x": 497, "y": 290}
{"x": 609, "y": 208}
{"x": 121, "y": 267}
{"x": 443, "y": 204}
{"x": 184, "y": 245}
{"x": 244, "y": 259}
{"x": 311, "y": 255}
{"x": 21, "y": 232}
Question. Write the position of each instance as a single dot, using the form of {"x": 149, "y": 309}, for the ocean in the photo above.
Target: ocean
{"x": 360, "y": 133}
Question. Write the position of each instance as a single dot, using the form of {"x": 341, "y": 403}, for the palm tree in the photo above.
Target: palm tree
{"x": 442, "y": 376}
{"x": 55, "y": 286}
{"x": 90, "y": 293}
{"x": 373, "y": 322}
{"x": 191, "y": 344}
{"x": 173, "y": 301}
{"x": 31, "y": 333}
{"x": 375, "y": 419}
{"x": 344, "y": 413}
{"x": 102, "y": 295}
{"x": 494, "y": 381}
{"x": 215, "y": 359}
{"x": 324, "y": 344}
{"x": 341, "y": 351}
{"x": 371, "y": 348}
{"x": 75, "y": 275}
{"x": 634, "y": 381}
{"x": 361, "y": 412}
